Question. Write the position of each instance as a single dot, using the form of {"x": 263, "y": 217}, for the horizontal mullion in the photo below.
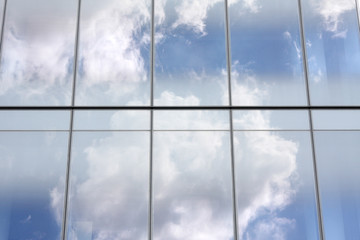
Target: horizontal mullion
{"x": 24, "y": 108}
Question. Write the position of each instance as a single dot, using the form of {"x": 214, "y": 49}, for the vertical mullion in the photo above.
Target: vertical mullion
{"x": 306, "y": 74}
{"x": 357, "y": 14}
{"x": 233, "y": 178}
{"x": 2, "y": 27}
{"x": 152, "y": 63}
{"x": 75, "y": 64}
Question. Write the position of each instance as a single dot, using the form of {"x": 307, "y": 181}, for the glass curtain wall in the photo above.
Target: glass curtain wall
{"x": 179, "y": 119}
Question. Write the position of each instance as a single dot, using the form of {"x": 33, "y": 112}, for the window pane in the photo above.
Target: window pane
{"x": 271, "y": 120}
{"x": 192, "y": 186}
{"x": 37, "y": 53}
{"x": 109, "y": 186}
{"x": 1, "y": 11}
{"x": 190, "y": 53}
{"x": 333, "y": 51}
{"x": 341, "y": 119}
{"x": 32, "y": 180}
{"x": 114, "y": 53}
{"x": 191, "y": 120}
{"x": 275, "y": 186}
{"x": 111, "y": 120}
{"x": 34, "y": 120}
{"x": 266, "y": 53}
{"x": 337, "y": 155}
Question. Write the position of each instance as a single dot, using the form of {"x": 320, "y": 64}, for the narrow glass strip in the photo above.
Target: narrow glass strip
{"x": 228, "y": 60}
{"x": 152, "y": 62}
{"x": 357, "y": 13}
{"x": 305, "y": 65}
{"x": 2, "y": 27}
{"x": 71, "y": 123}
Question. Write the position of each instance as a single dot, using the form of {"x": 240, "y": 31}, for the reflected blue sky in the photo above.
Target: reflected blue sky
{"x": 190, "y": 69}
{"x": 332, "y": 41}
{"x": 32, "y": 179}
{"x": 190, "y": 56}
{"x": 190, "y": 53}
{"x": 338, "y": 164}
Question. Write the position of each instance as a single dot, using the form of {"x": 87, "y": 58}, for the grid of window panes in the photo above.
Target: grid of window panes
{"x": 180, "y": 119}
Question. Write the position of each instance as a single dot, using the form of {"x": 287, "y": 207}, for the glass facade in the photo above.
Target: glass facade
{"x": 179, "y": 119}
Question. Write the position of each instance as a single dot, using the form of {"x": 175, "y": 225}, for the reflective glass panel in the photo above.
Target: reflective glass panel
{"x": 113, "y": 61}
{"x": 275, "y": 186}
{"x": 337, "y": 155}
{"x": 1, "y": 11}
{"x": 192, "y": 186}
{"x": 271, "y": 120}
{"x": 333, "y": 51}
{"x": 340, "y": 119}
{"x": 111, "y": 120}
{"x": 37, "y": 52}
{"x": 190, "y": 54}
{"x": 191, "y": 120}
{"x": 34, "y": 120}
{"x": 109, "y": 186}
{"x": 266, "y": 53}
{"x": 32, "y": 180}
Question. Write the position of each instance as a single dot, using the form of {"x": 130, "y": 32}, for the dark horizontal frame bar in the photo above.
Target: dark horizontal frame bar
{"x": 179, "y": 107}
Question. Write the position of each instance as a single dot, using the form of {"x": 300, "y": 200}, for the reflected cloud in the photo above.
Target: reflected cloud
{"x": 266, "y": 168}
{"x": 332, "y": 12}
{"x": 192, "y": 186}
{"x": 245, "y": 86}
{"x": 193, "y": 14}
{"x": 273, "y": 228}
{"x": 26, "y": 220}
{"x": 111, "y": 45}
{"x": 263, "y": 195}
{"x": 252, "y": 6}
{"x": 108, "y": 197}
{"x": 169, "y": 98}
{"x": 32, "y": 68}
{"x": 191, "y": 182}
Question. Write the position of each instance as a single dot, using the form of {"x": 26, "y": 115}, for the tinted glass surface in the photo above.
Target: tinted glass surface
{"x": 192, "y": 186}
{"x": 37, "y": 52}
{"x": 113, "y": 61}
{"x": 190, "y": 54}
{"x": 266, "y": 53}
{"x": 336, "y": 120}
{"x": 111, "y": 120}
{"x": 32, "y": 180}
{"x": 191, "y": 120}
{"x": 34, "y": 120}
{"x": 337, "y": 155}
{"x": 275, "y": 185}
{"x": 271, "y": 120}
{"x": 1, "y": 11}
{"x": 333, "y": 51}
{"x": 109, "y": 186}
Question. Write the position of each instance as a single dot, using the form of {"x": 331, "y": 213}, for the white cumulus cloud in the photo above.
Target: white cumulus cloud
{"x": 332, "y": 12}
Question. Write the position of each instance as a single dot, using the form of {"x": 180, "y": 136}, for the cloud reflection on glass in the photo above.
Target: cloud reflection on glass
{"x": 266, "y": 53}
{"x": 333, "y": 51}
{"x": 32, "y": 180}
{"x": 109, "y": 178}
{"x": 274, "y": 178}
{"x": 109, "y": 186}
{"x": 37, "y": 52}
{"x": 192, "y": 186}
{"x": 113, "y": 61}
{"x": 190, "y": 53}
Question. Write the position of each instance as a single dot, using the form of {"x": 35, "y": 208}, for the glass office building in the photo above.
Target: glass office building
{"x": 180, "y": 119}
